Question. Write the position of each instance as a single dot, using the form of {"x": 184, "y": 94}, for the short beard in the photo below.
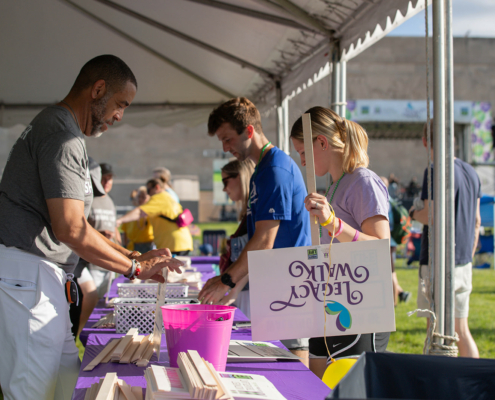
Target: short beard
{"x": 98, "y": 108}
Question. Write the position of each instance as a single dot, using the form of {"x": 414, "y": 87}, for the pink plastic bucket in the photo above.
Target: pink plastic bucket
{"x": 197, "y": 327}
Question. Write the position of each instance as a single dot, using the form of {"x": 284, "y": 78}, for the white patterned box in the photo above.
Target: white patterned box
{"x": 150, "y": 290}
{"x": 140, "y": 313}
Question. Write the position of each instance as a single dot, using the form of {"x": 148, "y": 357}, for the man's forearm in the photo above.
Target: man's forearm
{"x": 117, "y": 247}
{"x": 95, "y": 248}
{"x": 476, "y": 238}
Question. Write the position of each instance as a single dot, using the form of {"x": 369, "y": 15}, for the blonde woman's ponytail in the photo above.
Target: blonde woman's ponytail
{"x": 356, "y": 147}
{"x": 341, "y": 133}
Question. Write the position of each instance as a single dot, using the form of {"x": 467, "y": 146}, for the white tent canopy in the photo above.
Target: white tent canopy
{"x": 187, "y": 54}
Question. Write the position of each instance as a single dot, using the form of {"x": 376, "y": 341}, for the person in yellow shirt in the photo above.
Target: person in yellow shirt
{"x": 138, "y": 235}
{"x": 162, "y": 209}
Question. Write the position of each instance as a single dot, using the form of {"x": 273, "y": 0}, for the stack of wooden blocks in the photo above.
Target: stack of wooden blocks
{"x": 132, "y": 348}
{"x": 195, "y": 378}
{"x": 112, "y": 388}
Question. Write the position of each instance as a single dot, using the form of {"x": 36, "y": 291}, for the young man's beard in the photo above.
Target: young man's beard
{"x": 98, "y": 108}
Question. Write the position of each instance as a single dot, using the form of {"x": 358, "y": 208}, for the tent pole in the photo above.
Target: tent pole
{"x": 439, "y": 163}
{"x": 335, "y": 77}
{"x": 449, "y": 187}
{"x": 343, "y": 88}
{"x": 279, "y": 115}
{"x": 285, "y": 108}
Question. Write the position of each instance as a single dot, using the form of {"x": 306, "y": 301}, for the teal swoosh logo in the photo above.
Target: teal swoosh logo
{"x": 344, "y": 319}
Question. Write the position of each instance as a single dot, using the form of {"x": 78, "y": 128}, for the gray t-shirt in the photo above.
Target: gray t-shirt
{"x": 359, "y": 196}
{"x": 48, "y": 161}
{"x": 102, "y": 215}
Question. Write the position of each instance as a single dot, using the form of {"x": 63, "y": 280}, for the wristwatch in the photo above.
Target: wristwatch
{"x": 227, "y": 280}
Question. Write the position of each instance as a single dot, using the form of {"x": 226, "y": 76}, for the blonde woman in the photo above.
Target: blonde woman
{"x": 360, "y": 201}
{"x": 138, "y": 235}
{"x": 235, "y": 177}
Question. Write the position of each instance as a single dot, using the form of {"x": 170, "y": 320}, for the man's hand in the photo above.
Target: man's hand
{"x": 213, "y": 291}
{"x": 153, "y": 261}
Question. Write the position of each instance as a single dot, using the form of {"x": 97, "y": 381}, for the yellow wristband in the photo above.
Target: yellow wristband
{"x": 328, "y": 221}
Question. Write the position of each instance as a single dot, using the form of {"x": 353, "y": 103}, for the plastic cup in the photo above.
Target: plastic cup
{"x": 200, "y": 327}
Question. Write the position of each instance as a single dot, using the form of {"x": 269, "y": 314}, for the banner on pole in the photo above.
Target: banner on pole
{"x": 287, "y": 289}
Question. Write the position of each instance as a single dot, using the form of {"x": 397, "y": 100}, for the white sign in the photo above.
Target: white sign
{"x": 287, "y": 289}
{"x": 402, "y": 110}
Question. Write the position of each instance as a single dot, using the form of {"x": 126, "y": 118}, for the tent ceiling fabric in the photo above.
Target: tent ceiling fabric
{"x": 50, "y": 40}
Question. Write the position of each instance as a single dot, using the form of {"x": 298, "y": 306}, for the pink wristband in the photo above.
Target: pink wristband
{"x": 341, "y": 228}
{"x": 356, "y": 235}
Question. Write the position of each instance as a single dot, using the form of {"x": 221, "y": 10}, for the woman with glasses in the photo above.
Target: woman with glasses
{"x": 360, "y": 201}
{"x": 235, "y": 177}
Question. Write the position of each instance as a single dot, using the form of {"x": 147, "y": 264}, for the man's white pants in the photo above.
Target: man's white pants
{"x": 38, "y": 356}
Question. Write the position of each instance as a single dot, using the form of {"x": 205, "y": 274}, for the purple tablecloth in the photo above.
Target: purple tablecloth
{"x": 291, "y": 378}
{"x": 100, "y": 310}
{"x": 205, "y": 260}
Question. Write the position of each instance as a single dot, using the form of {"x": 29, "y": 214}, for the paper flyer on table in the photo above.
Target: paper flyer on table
{"x": 287, "y": 289}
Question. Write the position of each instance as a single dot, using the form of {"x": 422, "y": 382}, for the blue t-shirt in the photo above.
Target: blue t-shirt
{"x": 467, "y": 191}
{"x": 277, "y": 192}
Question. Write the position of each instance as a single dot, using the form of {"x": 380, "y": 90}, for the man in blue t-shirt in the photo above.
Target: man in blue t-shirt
{"x": 467, "y": 188}
{"x": 276, "y": 217}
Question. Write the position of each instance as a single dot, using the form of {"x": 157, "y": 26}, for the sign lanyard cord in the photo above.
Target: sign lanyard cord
{"x": 256, "y": 168}
{"x": 333, "y": 193}
{"x": 325, "y": 291}
{"x": 332, "y": 211}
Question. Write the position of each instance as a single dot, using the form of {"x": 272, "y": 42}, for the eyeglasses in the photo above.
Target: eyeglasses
{"x": 225, "y": 180}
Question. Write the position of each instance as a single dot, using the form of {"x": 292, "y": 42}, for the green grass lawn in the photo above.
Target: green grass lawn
{"x": 411, "y": 331}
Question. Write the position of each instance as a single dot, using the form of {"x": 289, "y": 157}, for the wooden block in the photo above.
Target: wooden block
{"x": 145, "y": 342}
{"x": 109, "y": 355}
{"x": 182, "y": 362}
{"x": 118, "y": 393}
{"x": 107, "y": 389}
{"x": 109, "y": 348}
{"x": 137, "y": 391}
{"x": 310, "y": 174}
{"x": 223, "y": 393}
{"x": 158, "y": 326}
{"x": 201, "y": 367}
{"x": 145, "y": 359}
{"x": 126, "y": 389}
{"x": 87, "y": 396}
{"x": 124, "y": 344}
{"x": 126, "y": 357}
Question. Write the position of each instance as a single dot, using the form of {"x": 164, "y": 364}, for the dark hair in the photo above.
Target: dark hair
{"x": 239, "y": 112}
{"x": 154, "y": 182}
{"x": 111, "y": 69}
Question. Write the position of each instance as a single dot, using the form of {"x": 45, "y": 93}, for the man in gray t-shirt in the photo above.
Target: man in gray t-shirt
{"x": 45, "y": 195}
{"x": 50, "y": 160}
